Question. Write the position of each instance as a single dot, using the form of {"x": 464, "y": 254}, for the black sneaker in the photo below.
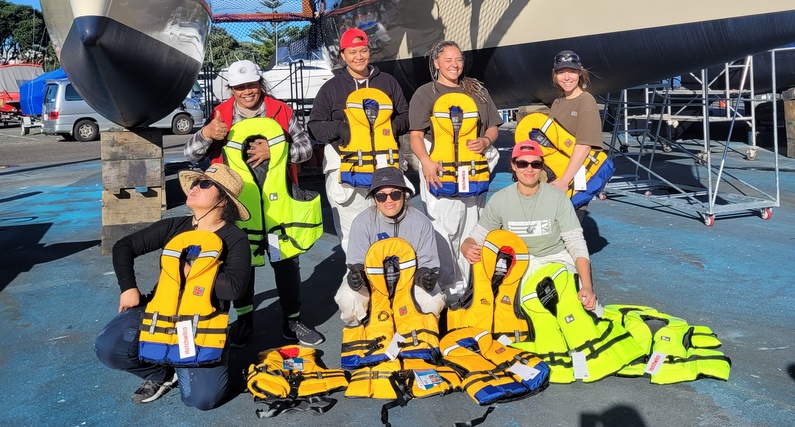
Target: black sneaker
{"x": 241, "y": 331}
{"x": 297, "y": 331}
{"x": 150, "y": 390}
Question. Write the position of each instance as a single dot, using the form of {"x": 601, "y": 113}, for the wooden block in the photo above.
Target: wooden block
{"x": 118, "y": 174}
{"x": 130, "y": 207}
{"x": 132, "y": 145}
{"x": 524, "y": 110}
{"x": 112, "y": 233}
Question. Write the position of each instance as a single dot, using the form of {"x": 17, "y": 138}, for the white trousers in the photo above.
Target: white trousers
{"x": 353, "y": 305}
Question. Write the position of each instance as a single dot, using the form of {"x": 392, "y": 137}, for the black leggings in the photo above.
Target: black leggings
{"x": 287, "y": 275}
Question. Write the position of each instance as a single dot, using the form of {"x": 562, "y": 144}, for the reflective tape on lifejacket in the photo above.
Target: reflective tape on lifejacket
{"x": 557, "y": 145}
{"x": 689, "y": 350}
{"x": 285, "y": 219}
{"x": 607, "y": 346}
{"x": 390, "y": 265}
{"x": 189, "y": 299}
{"x": 455, "y": 121}
{"x": 492, "y": 302}
{"x": 372, "y": 144}
{"x": 487, "y": 366}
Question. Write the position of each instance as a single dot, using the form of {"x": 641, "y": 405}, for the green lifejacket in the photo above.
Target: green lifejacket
{"x": 182, "y": 317}
{"x": 493, "y": 302}
{"x": 372, "y": 144}
{"x": 490, "y": 371}
{"x": 285, "y": 219}
{"x": 689, "y": 351}
{"x": 454, "y": 121}
{"x": 390, "y": 265}
{"x": 606, "y": 346}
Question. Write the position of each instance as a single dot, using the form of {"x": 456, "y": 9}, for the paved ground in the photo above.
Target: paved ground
{"x": 57, "y": 291}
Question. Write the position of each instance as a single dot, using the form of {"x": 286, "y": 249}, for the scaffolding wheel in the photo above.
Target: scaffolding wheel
{"x": 750, "y": 154}
{"x": 667, "y": 148}
{"x": 624, "y": 148}
{"x": 767, "y": 213}
{"x": 602, "y": 196}
{"x": 709, "y": 220}
{"x": 647, "y": 193}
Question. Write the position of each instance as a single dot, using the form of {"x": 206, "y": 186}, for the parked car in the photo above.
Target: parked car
{"x": 66, "y": 113}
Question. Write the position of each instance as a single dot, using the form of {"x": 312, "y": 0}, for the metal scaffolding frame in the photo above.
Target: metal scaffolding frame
{"x": 664, "y": 105}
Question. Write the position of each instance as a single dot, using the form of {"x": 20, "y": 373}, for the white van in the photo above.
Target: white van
{"x": 66, "y": 113}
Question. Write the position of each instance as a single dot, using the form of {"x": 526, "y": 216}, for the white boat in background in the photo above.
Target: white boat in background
{"x": 296, "y": 77}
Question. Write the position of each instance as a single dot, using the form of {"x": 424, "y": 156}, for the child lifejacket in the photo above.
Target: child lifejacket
{"x": 181, "y": 326}
{"x": 285, "y": 219}
{"x": 493, "y": 302}
{"x": 372, "y": 145}
{"x": 286, "y": 377}
{"x": 550, "y": 293}
{"x": 390, "y": 265}
{"x": 455, "y": 121}
{"x": 688, "y": 351}
{"x": 557, "y": 144}
{"x": 490, "y": 371}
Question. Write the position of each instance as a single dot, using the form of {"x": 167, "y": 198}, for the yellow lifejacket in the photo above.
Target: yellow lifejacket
{"x": 285, "y": 219}
{"x": 493, "y": 302}
{"x": 490, "y": 371}
{"x": 606, "y": 346}
{"x": 454, "y": 121}
{"x": 689, "y": 350}
{"x": 182, "y": 307}
{"x": 386, "y": 379}
{"x": 558, "y": 144}
{"x": 390, "y": 265}
{"x": 372, "y": 145}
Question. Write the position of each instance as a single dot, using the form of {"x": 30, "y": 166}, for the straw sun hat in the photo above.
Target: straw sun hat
{"x": 226, "y": 179}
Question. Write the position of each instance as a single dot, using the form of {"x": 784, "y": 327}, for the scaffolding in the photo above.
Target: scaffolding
{"x": 657, "y": 111}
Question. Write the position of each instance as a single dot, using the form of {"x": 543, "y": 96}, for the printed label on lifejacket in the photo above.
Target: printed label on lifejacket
{"x": 655, "y": 362}
{"x": 580, "y": 366}
{"x": 504, "y": 340}
{"x": 523, "y": 371}
{"x": 463, "y": 179}
{"x": 185, "y": 339}
{"x": 580, "y": 183}
{"x": 295, "y": 364}
{"x": 274, "y": 253}
{"x": 380, "y": 161}
{"x": 394, "y": 346}
{"x": 426, "y": 378}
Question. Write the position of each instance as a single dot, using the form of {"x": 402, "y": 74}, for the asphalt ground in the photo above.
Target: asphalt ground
{"x": 57, "y": 291}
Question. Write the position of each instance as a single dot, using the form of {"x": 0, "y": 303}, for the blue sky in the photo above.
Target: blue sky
{"x": 35, "y": 3}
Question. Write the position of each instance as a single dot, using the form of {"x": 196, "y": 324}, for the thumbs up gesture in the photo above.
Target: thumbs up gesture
{"x": 216, "y": 129}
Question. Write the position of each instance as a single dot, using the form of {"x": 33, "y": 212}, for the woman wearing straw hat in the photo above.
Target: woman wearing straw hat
{"x": 212, "y": 199}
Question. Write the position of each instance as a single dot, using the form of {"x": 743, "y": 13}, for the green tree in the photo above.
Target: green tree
{"x": 22, "y": 33}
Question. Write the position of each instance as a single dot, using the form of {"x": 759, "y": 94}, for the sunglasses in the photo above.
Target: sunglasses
{"x": 395, "y": 195}
{"x": 202, "y": 183}
{"x": 568, "y": 57}
{"x": 523, "y": 164}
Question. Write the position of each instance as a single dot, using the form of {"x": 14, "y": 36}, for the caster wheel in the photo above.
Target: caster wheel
{"x": 647, "y": 193}
{"x": 624, "y": 149}
{"x": 709, "y": 220}
{"x": 767, "y": 213}
{"x": 602, "y": 196}
{"x": 750, "y": 155}
{"x": 667, "y": 148}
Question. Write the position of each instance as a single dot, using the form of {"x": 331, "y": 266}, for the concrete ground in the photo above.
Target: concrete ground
{"x": 57, "y": 291}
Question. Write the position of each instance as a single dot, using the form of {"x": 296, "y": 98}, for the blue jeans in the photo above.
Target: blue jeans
{"x": 117, "y": 347}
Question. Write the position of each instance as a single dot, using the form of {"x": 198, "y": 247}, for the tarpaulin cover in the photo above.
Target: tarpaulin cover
{"x": 31, "y": 93}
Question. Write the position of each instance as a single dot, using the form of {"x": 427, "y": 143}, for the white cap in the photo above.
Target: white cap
{"x": 242, "y": 72}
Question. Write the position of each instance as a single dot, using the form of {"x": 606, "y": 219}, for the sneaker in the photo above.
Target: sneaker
{"x": 240, "y": 332}
{"x": 150, "y": 390}
{"x": 297, "y": 331}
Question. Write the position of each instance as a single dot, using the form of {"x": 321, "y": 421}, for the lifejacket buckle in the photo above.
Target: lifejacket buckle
{"x": 359, "y": 155}
{"x": 472, "y": 168}
{"x": 391, "y": 159}
{"x": 440, "y": 172}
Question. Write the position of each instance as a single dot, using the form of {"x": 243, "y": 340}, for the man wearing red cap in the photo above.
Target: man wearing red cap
{"x": 328, "y": 124}
{"x": 544, "y": 219}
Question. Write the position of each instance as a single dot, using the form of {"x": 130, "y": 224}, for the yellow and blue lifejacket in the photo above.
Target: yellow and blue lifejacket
{"x": 493, "y": 302}
{"x": 455, "y": 120}
{"x": 179, "y": 299}
{"x": 557, "y": 144}
{"x": 369, "y": 114}
{"x": 278, "y": 208}
{"x": 390, "y": 265}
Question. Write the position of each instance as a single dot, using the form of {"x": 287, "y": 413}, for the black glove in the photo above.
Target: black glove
{"x": 356, "y": 276}
{"x": 426, "y": 277}
{"x": 345, "y": 133}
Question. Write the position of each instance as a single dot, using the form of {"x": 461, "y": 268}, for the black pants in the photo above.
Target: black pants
{"x": 287, "y": 275}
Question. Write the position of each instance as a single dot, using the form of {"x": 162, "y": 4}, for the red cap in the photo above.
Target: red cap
{"x": 526, "y": 148}
{"x": 349, "y": 37}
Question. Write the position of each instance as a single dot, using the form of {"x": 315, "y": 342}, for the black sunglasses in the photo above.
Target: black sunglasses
{"x": 395, "y": 195}
{"x": 523, "y": 164}
{"x": 568, "y": 57}
{"x": 202, "y": 183}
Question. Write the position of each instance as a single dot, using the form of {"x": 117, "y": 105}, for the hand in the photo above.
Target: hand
{"x": 356, "y": 277}
{"x": 430, "y": 170}
{"x": 258, "y": 152}
{"x": 129, "y": 299}
{"x": 345, "y": 132}
{"x": 478, "y": 145}
{"x": 587, "y": 298}
{"x": 471, "y": 251}
{"x": 426, "y": 277}
{"x": 216, "y": 129}
{"x": 560, "y": 185}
